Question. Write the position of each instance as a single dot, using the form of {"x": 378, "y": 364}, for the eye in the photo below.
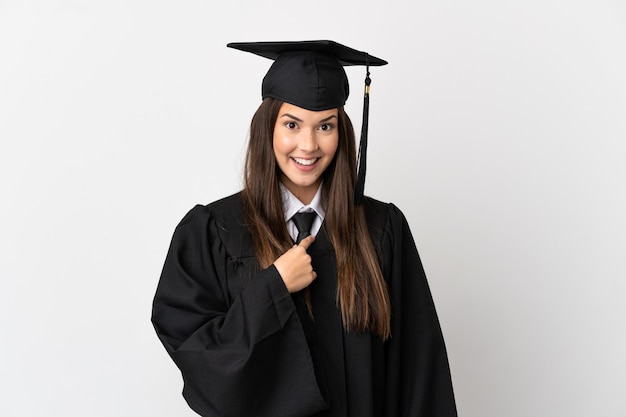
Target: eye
{"x": 291, "y": 125}
{"x": 327, "y": 127}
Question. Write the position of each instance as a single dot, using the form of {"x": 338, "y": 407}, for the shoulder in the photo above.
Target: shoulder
{"x": 219, "y": 223}
{"x": 381, "y": 213}
{"x": 227, "y": 210}
{"x": 224, "y": 211}
{"x": 227, "y": 203}
{"x": 386, "y": 223}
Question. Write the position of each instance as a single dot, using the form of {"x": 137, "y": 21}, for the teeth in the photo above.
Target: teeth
{"x": 305, "y": 162}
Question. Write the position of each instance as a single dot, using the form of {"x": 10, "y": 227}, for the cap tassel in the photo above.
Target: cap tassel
{"x": 362, "y": 155}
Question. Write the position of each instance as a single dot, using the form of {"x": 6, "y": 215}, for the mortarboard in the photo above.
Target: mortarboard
{"x": 310, "y": 74}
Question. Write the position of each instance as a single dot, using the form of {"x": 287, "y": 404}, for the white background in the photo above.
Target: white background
{"x": 499, "y": 128}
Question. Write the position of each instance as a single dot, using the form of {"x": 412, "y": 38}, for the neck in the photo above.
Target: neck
{"x": 304, "y": 194}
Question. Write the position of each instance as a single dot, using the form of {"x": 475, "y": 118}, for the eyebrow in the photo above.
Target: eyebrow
{"x": 300, "y": 120}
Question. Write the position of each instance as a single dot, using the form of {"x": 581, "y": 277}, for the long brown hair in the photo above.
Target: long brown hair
{"x": 361, "y": 290}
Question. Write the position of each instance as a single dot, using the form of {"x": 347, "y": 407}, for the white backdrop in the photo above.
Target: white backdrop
{"x": 499, "y": 128}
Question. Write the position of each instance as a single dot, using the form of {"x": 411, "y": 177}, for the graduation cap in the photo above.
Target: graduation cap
{"x": 310, "y": 74}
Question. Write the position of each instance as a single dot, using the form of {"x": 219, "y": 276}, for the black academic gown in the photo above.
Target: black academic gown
{"x": 247, "y": 348}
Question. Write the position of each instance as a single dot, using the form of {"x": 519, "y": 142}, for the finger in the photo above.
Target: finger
{"x": 307, "y": 241}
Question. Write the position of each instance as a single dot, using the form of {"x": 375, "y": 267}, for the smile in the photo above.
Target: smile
{"x": 305, "y": 162}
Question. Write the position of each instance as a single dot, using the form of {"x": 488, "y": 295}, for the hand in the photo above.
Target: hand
{"x": 294, "y": 266}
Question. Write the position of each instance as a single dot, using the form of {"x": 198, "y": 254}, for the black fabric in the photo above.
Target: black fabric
{"x": 309, "y": 80}
{"x": 308, "y": 74}
{"x": 345, "y": 55}
{"x": 245, "y": 349}
{"x": 303, "y": 222}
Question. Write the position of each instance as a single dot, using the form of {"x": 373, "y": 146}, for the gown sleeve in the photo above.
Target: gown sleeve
{"x": 239, "y": 356}
{"x": 418, "y": 375}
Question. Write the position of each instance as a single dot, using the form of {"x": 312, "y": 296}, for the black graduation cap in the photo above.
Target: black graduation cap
{"x": 310, "y": 74}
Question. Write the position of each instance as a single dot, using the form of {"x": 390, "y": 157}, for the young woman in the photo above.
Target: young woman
{"x": 342, "y": 322}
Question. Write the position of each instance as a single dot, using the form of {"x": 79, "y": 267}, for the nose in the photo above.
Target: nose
{"x": 308, "y": 141}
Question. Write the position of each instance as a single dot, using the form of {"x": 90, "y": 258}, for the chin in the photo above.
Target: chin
{"x": 304, "y": 182}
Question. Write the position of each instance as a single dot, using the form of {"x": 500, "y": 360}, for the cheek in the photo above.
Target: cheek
{"x": 281, "y": 145}
{"x": 276, "y": 146}
{"x": 330, "y": 147}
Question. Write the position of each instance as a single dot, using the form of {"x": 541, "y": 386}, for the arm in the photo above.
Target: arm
{"x": 418, "y": 373}
{"x": 248, "y": 357}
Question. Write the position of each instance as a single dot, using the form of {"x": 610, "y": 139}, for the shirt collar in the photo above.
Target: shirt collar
{"x": 291, "y": 204}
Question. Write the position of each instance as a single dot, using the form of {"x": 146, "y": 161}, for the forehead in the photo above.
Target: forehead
{"x": 288, "y": 109}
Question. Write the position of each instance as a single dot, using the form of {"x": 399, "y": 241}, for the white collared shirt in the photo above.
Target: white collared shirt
{"x": 291, "y": 206}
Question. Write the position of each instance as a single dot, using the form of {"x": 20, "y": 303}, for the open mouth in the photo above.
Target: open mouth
{"x": 305, "y": 162}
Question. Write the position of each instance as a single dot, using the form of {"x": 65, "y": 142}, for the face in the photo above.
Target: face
{"x": 305, "y": 143}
